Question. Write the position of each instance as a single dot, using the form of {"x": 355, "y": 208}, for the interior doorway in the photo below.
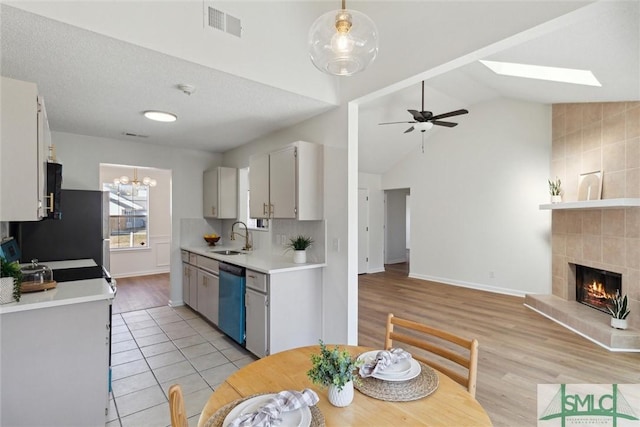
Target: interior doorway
{"x": 397, "y": 226}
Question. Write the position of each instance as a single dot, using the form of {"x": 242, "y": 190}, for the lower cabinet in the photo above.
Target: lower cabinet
{"x": 208, "y": 288}
{"x": 189, "y": 285}
{"x": 257, "y": 317}
{"x": 55, "y": 365}
{"x": 285, "y": 312}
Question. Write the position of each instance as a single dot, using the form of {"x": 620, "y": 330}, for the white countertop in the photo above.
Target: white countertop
{"x": 64, "y": 293}
{"x": 263, "y": 262}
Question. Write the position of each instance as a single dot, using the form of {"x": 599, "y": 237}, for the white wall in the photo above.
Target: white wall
{"x": 154, "y": 257}
{"x": 329, "y": 129}
{"x": 373, "y": 183}
{"x": 81, "y": 157}
{"x": 474, "y": 200}
{"x": 396, "y": 226}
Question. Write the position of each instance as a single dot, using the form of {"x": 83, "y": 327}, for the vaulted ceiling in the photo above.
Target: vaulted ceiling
{"x": 100, "y": 64}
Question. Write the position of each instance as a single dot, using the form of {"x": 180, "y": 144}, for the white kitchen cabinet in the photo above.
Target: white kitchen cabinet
{"x": 24, "y": 145}
{"x": 220, "y": 193}
{"x": 256, "y": 302}
{"x": 288, "y": 183}
{"x": 55, "y": 365}
{"x": 257, "y": 321}
{"x": 287, "y": 314}
{"x": 208, "y": 287}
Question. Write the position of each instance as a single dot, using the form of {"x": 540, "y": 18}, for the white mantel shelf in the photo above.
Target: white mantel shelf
{"x": 593, "y": 204}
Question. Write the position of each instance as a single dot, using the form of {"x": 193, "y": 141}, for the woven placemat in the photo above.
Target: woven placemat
{"x": 216, "y": 420}
{"x": 401, "y": 391}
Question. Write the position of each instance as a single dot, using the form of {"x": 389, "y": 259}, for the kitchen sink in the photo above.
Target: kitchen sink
{"x": 226, "y": 252}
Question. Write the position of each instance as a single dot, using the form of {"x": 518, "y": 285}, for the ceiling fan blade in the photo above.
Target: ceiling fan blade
{"x": 449, "y": 114}
{"x": 409, "y": 130}
{"x": 417, "y": 115}
{"x": 393, "y": 123}
{"x": 447, "y": 124}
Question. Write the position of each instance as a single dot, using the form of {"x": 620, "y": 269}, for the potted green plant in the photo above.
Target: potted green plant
{"x": 619, "y": 310}
{"x": 10, "y": 281}
{"x": 555, "y": 190}
{"x": 334, "y": 369}
{"x": 299, "y": 245}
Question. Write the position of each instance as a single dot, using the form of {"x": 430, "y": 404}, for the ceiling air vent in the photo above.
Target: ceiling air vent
{"x": 215, "y": 18}
{"x": 135, "y": 135}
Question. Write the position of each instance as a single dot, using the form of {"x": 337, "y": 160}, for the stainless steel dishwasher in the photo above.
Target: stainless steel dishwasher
{"x": 231, "y": 311}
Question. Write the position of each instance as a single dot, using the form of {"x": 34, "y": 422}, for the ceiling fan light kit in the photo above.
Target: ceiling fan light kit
{"x": 343, "y": 42}
{"x": 424, "y": 120}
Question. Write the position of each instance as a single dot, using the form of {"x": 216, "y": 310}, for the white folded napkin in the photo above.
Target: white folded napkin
{"x": 269, "y": 414}
{"x": 384, "y": 359}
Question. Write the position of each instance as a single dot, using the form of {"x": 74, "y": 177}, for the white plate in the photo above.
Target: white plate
{"x": 400, "y": 368}
{"x": 413, "y": 372}
{"x": 298, "y": 418}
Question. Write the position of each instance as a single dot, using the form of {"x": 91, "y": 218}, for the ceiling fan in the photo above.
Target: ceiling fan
{"x": 424, "y": 120}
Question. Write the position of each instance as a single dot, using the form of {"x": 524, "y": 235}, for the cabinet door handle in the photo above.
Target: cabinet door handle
{"x": 213, "y": 210}
{"x": 264, "y": 209}
{"x": 271, "y": 209}
{"x": 251, "y": 275}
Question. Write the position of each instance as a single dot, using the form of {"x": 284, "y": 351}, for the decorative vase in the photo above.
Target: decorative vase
{"x": 619, "y": 323}
{"x": 341, "y": 398}
{"x": 556, "y": 199}
{"x": 6, "y": 290}
{"x": 300, "y": 257}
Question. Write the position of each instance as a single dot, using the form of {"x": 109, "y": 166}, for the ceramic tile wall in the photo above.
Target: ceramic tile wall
{"x": 591, "y": 137}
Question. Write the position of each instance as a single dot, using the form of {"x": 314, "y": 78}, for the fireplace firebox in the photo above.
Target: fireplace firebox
{"x": 594, "y": 287}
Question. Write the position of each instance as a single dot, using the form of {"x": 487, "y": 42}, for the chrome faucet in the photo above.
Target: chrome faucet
{"x": 247, "y": 245}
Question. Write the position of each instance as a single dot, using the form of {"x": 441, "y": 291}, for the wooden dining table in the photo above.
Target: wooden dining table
{"x": 449, "y": 405}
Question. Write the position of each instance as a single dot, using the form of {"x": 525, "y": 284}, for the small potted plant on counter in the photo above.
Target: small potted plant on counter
{"x": 619, "y": 311}
{"x": 555, "y": 190}
{"x": 299, "y": 245}
{"x": 10, "y": 281}
{"x": 334, "y": 369}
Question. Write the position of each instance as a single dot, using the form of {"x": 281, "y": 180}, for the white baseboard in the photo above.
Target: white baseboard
{"x": 470, "y": 285}
{"x": 397, "y": 261}
{"x": 376, "y": 270}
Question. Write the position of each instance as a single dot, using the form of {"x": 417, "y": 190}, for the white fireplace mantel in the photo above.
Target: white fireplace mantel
{"x": 593, "y": 204}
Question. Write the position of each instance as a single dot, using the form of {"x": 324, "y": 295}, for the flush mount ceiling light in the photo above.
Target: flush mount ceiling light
{"x": 160, "y": 116}
{"x": 343, "y": 42}
{"x": 539, "y": 72}
{"x": 124, "y": 180}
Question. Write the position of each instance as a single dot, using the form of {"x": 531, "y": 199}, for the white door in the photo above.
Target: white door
{"x": 363, "y": 230}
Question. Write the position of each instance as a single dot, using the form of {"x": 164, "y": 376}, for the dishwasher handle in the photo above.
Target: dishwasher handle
{"x": 231, "y": 269}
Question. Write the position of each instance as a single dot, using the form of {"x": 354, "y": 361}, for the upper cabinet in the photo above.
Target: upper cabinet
{"x": 288, "y": 183}
{"x": 220, "y": 193}
{"x": 24, "y": 145}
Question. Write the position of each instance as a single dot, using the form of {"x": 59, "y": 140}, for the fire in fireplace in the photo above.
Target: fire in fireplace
{"x": 594, "y": 287}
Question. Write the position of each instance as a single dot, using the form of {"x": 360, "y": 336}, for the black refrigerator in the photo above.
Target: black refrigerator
{"x": 81, "y": 232}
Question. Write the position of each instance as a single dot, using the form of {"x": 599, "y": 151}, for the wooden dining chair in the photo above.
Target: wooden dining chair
{"x": 176, "y": 407}
{"x": 445, "y": 345}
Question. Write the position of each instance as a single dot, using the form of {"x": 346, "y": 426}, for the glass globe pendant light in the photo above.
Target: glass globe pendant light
{"x": 343, "y": 42}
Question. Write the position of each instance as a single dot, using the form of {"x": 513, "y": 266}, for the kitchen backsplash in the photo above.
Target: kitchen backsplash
{"x": 273, "y": 240}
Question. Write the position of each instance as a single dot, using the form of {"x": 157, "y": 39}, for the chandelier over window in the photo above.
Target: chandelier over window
{"x": 124, "y": 179}
{"x": 343, "y": 42}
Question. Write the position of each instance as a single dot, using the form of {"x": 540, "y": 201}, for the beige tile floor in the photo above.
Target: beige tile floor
{"x": 155, "y": 348}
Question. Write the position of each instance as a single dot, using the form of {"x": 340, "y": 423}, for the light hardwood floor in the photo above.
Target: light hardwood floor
{"x": 142, "y": 292}
{"x": 519, "y": 348}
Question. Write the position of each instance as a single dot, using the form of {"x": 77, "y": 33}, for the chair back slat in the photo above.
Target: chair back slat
{"x": 466, "y": 356}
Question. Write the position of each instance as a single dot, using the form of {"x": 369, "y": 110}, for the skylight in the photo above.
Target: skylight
{"x": 539, "y": 72}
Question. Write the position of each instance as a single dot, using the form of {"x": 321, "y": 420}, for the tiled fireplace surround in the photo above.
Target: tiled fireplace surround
{"x": 591, "y": 137}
